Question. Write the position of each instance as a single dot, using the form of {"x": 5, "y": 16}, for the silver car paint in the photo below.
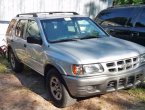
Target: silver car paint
{"x": 78, "y": 87}
{"x": 88, "y": 51}
{"x": 98, "y": 50}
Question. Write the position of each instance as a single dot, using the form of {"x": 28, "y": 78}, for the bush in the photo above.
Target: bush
{"x": 124, "y": 2}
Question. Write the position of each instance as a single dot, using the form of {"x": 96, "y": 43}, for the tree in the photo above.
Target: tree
{"x": 123, "y": 2}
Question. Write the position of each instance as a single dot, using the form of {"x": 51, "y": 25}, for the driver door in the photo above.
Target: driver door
{"x": 34, "y": 51}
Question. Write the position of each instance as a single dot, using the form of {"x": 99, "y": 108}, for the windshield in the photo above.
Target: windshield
{"x": 65, "y": 29}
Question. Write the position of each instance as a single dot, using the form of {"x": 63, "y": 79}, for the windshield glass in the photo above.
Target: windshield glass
{"x": 63, "y": 29}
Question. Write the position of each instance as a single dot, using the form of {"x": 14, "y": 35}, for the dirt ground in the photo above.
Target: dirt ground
{"x": 25, "y": 91}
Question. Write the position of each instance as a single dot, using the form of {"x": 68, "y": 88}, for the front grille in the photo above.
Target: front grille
{"x": 121, "y": 65}
{"x": 131, "y": 80}
{"x": 139, "y": 76}
{"x": 122, "y": 82}
{"x": 112, "y": 86}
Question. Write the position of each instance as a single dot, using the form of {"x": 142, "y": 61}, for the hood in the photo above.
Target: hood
{"x": 99, "y": 50}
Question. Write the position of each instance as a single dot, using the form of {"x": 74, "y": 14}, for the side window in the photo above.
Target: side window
{"x": 20, "y": 28}
{"x": 32, "y": 29}
{"x": 10, "y": 27}
{"x": 115, "y": 17}
{"x": 141, "y": 20}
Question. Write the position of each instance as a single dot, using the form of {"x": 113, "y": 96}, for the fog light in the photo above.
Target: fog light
{"x": 90, "y": 88}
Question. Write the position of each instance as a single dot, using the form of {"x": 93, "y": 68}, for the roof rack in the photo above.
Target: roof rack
{"x": 50, "y": 13}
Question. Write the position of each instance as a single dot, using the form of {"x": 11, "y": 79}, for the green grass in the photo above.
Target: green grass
{"x": 138, "y": 93}
{"x": 4, "y": 65}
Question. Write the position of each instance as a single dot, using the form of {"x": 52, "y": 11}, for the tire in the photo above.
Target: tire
{"x": 57, "y": 91}
{"x": 15, "y": 64}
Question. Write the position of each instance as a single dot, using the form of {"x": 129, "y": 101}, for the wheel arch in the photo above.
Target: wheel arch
{"x": 8, "y": 49}
{"x": 54, "y": 66}
{"x": 51, "y": 66}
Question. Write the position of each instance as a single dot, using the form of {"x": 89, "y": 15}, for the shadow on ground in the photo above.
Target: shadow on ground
{"x": 28, "y": 78}
{"x": 33, "y": 81}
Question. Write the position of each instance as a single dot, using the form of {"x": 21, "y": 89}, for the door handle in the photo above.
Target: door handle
{"x": 25, "y": 45}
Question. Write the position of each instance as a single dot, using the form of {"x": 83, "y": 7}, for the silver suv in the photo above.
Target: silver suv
{"x": 74, "y": 54}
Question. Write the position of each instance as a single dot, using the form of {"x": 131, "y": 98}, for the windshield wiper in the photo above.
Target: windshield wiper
{"x": 75, "y": 39}
{"x": 63, "y": 40}
{"x": 89, "y": 37}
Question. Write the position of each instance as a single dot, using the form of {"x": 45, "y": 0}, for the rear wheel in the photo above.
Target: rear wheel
{"x": 15, "y": 64}
{"x": 57, "y": 91}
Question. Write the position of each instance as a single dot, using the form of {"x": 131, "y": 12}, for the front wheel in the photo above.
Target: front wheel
{"x": 57, "y": 91}
{"x": 15, "y": 64}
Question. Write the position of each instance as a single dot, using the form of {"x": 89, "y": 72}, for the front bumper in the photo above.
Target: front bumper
{"x": 89, "y": 86}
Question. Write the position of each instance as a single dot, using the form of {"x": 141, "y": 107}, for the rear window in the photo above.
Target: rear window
{"x": 114, "y": 17}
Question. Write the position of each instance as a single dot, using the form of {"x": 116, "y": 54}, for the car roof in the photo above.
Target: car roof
{"x": 61, "y": 16}
{"x": 50, "y": 17}
{"x": 126, "y": 6}
{"x": 121, "y": 7}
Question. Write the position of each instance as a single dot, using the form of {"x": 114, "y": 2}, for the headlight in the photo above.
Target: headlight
{"x": 93, "y": 68}
{"x": 142, "y": 58}
{"x": 87, "y": 69}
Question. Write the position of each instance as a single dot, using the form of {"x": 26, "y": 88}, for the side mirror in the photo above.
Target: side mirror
{"x": 34, "y": 40}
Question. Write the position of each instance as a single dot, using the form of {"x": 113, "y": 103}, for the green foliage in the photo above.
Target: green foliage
{"x": 133, "y": 2}
{"x": 138, "y": 93}
{"x": 4, "y": 65}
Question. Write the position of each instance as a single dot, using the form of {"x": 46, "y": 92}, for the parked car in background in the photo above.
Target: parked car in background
{"x": 76, "y": 57}
{"x": 125, "y": 22}
{"x": 3, "y": 43}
